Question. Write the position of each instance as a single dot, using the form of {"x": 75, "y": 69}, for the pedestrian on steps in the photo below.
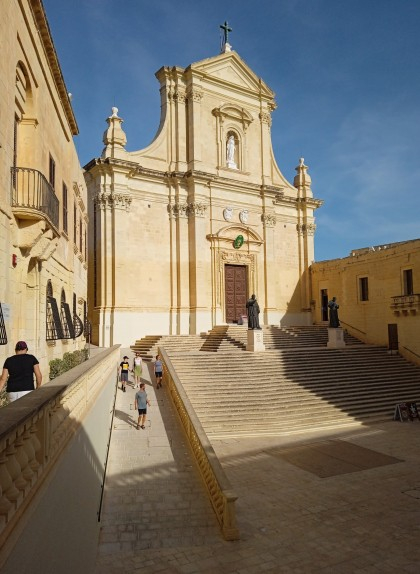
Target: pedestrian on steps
{"x": 124, "y": 368}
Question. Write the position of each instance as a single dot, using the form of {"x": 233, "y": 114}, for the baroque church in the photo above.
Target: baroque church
{"x": 185, "y": 230}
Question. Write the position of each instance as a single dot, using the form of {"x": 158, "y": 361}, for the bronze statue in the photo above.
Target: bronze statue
{"x": 253, "y": 310}
{"x": 333, "y": 308}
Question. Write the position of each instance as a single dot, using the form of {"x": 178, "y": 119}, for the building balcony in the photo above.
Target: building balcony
{"x": 406, "y": 304}
{"x": 33, "y": 197}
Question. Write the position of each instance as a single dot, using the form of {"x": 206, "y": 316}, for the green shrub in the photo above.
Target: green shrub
{"x": 69, "y": 360}
{"x": 56, "y": 368}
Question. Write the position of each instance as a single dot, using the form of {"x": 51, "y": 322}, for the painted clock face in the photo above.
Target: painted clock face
{"x": 238, "y": 242}
{"x": 228, "y": 213}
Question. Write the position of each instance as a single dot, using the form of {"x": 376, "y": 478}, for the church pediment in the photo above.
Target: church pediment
{"x": 229, "y": 68}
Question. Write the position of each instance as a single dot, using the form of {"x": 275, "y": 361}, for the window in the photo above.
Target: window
{"x": 66, "y": 318}
{"x": 363, "y": 289}
{"x": 3, "y": 334}
{"x": 54, "y": 326}
{"x": 65, "y": 209}
{"x": 77, "y": 322}
{"x": 408, "y": 282}
{"x": 75, "y": 224}
{"x": 81, "y": 235}
{"x": 52, "y": 172}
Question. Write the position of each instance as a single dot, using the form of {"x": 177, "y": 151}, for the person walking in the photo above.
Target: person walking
{"x": 18, "y": 373}
{"x": 137, "y": 370}
{"x": 124, "y": 368}
{"x": 158, "y": 367}
{"x": 140, "y": 403}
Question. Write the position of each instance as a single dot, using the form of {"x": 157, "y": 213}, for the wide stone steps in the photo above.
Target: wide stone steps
{"x": 234, "y": 337}
{"x": 289, "y": 391}
{"x": 224, "y": 337}
{"x": 148, "y": 346}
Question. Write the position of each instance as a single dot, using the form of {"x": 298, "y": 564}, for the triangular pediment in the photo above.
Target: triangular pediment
{"x": 230, "y": 69}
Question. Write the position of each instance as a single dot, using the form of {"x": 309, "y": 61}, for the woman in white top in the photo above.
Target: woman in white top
{"x": 137, "y": 370}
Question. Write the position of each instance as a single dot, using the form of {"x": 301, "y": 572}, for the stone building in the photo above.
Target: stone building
{"x": 187, "y": 228}
{"x": 377, "y": 289}
{"x": 43, "y": 216}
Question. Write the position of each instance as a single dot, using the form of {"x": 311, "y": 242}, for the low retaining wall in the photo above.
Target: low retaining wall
{"x": 219, "y": 489}
{"x": 53, "y": 450}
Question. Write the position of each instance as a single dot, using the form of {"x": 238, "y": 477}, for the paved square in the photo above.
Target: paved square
{"x": 333, "y": 457}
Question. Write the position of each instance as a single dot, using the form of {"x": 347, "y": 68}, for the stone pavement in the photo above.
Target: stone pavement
{"x": 156, "y": 517}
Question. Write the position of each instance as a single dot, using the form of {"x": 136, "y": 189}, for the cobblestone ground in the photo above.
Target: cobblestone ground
{"x": 157, "y": 519}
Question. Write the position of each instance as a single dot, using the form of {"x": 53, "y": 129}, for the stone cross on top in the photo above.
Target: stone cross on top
{"x": 226, "y": 47}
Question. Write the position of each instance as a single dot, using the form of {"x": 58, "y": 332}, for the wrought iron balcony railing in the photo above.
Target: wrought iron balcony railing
{"x": 31, "y": 191}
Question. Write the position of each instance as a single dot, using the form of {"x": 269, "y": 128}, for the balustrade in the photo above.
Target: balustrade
{"x": 221, "y": 494}
{"x": 37, "y": 437}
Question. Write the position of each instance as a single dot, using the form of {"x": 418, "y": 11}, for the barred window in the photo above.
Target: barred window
{"x": 66, "y": 318}
{"x": 3, "y": 334}
{"x": 77, "y": 322}
{"x": 54, "y": 326}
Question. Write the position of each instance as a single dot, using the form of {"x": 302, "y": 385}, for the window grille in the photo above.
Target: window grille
{"x": 78, "y": 326}
{"x": 3, "y": 334}
{"x": 67, "y": 321}
{"x": 54, "y": 326}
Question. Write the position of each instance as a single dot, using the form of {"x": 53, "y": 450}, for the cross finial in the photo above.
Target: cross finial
{"x": 226, "y": 30}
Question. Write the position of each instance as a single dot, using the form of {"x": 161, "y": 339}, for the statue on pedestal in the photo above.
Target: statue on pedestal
{"x": 333, "y": 309}
{"x": 253, "y": 310}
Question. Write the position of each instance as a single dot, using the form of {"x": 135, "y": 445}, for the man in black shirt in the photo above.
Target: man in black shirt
{"x": 18, "y": 373}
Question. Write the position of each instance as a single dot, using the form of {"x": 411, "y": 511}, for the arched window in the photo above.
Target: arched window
{"x": 66, "y": 318}
{"x": 77, "y": 322}
{"x": 53, "y": 322}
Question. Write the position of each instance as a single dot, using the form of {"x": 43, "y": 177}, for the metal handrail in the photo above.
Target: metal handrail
{"x": 30, "y": 189}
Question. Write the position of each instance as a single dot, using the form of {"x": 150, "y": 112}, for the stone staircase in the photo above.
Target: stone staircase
{"x": 148, "y": 346}
{"x": 293, "y": 390}
{"x": 225, "y": 337}
{"x": 297, "y": 384}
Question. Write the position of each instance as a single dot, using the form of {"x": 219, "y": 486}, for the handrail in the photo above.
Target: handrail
{"x": 35, "y": 430}
{"x": 410, "y": 351}
{"x": 351, "y": 327}
{"x": 30, "y": 189}
{"x": 220, "y": 491}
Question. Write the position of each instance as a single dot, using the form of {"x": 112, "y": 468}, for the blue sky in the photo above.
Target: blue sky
{"x": 346, "y": 76}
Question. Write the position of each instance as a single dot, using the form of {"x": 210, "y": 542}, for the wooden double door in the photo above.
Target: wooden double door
{"x": 236, "y": 292}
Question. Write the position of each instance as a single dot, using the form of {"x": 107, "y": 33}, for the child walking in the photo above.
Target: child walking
{"x": 140, "y": 403}
{"x": 124, "y": 368}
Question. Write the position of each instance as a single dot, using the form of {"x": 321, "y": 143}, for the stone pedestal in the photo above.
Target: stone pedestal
{"x": 255, "y": 342}
{"x": 335, "y": 338}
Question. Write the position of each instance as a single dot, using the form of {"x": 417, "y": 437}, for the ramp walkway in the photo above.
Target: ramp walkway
{"x": 309, "y": 502}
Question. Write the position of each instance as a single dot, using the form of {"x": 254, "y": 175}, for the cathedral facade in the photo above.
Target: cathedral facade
{"x": 185, "y": 230}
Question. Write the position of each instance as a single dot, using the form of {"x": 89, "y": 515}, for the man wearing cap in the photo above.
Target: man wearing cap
{"x": 18, "y": 373}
